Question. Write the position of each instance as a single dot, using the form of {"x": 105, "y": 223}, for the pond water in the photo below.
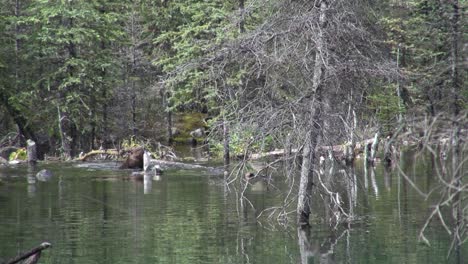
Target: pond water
{"x": 94, "y": 214}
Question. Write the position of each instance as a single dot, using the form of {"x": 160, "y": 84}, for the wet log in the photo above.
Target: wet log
{"x": 30, "y": 257}
{"x": 338, "y": 151}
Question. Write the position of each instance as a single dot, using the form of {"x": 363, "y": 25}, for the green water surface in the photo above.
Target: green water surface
{"x": 97, "y": 215}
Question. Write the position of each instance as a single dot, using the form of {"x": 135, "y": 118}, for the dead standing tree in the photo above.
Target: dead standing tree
{"x": 285, "y": 80}
{"x": 294, "y": 66}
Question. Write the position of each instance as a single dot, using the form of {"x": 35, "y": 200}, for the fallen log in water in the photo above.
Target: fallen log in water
{"x": 150, "y": 164}
{"x": 30, "y": 257}
{"x": 338, "y": 151}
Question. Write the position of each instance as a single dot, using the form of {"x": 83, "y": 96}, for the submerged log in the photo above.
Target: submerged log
{"x": 30, "y": 257}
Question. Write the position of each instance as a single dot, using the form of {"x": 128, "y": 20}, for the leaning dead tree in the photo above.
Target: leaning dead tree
{"x": 292, "y": 74}
{"x": 30, "y": 257}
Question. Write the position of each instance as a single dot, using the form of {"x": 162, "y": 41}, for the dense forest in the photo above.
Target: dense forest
{"x": 79, "y": 74}
{"x": 259, "y": 76}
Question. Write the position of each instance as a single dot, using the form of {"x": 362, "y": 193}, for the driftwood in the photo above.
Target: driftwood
{"x": 92, "y": 153}
{"x": 30, "y": 257}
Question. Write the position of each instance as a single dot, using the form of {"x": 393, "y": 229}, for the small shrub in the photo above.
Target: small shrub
{"x": 20, "y": 154}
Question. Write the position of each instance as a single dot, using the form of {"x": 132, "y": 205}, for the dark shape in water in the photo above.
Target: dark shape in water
{"x": 134, "y": 159}
{"x": 44, "y": 175}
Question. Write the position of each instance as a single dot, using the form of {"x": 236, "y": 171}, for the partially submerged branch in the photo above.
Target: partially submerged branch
{"x": 31, "y": 257}
{"x": 92, "y": 153}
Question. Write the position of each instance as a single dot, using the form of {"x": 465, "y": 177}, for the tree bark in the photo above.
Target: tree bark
{"x": 64, "y": 125}
{"x": 133, "y": 72}
{"x": 165, "y": 97}
{"x": 105, "y": 125}
{"x": 372, "y": 151}
{"x": 456, "y": 151}
{"x": 350, "y": 147}
{"x": 398, "y": 90}
{"x": 106, "y": 143}
{"x": 134, "y": 114}
{"x": 454, "y": 54}
{"x": 17, "y": 44}
{"x": 309, "y": 155}
{"x": 241, "y": 16}
{"x": 226, "y": 155}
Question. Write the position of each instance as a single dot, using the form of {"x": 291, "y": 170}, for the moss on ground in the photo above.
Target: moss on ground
{"x": 187, "y": 122}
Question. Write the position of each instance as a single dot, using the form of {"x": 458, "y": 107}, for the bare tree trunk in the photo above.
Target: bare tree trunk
{"x": 305, "y": 247}
{"x": 170, "y": 136}
{"x": 17, "y": 44}
{"x": 30, "y": 257}
{"x": 105, "y": 137}
{"x": 349, "y": 151}
{"x": 241, "y": 18}
{"x": 371, "y": 150}
{"x": 105, "y": 125}
{"x": 133, "y": 71}
{"x": 64, "y": 124}
{"x": 72, "y": 53}
{"x": 24, "y": 134}
{"x": 456, "y": 151}
{"x": 309, "y": 155}
{"x": 92, "y": 137}
{"x": 134, "y": 98}
{"x": 307, "y": 171}
{"x": 226, "y": 155}
{"x": 454, "y": 53}
{"x": 398, "y": 90}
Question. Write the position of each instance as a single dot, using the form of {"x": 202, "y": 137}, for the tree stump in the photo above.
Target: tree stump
{"x": 32, "y": 153}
